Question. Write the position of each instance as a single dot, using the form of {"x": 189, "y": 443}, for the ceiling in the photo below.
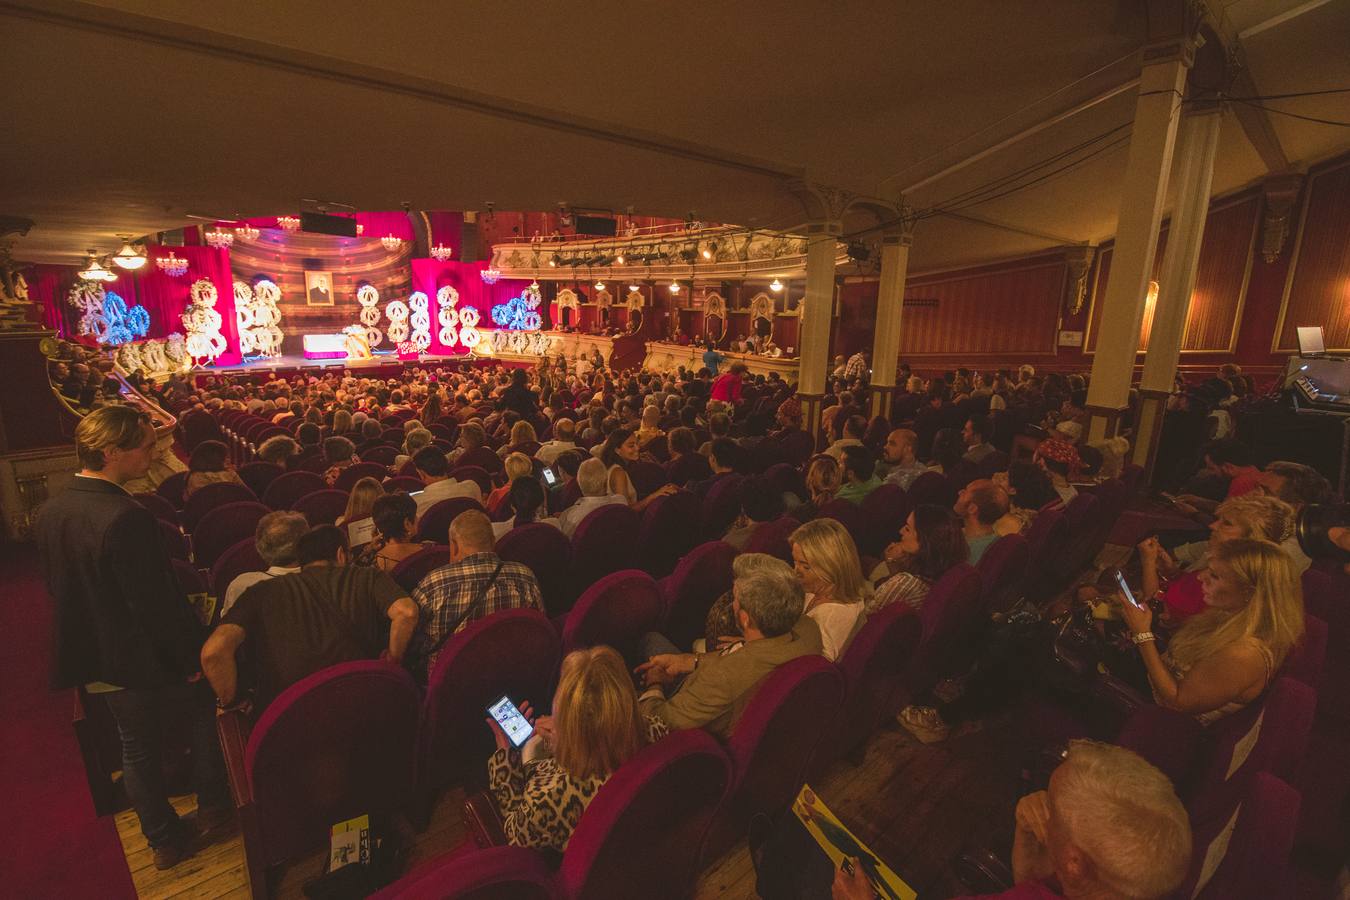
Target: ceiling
{"x": 135, "y": 115}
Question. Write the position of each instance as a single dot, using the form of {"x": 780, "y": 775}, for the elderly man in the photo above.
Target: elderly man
{"x": 767, "y": 604}
{"x": 593, "y": 479}
{"x": 898, "y": 453}
{"x": 475, "y": 583}
{"x": 564, "y": 439}
{"x": 276, "y": 540}
{"x": 980, "y": 504}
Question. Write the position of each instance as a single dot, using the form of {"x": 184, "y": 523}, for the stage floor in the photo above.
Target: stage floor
{"x": 291, "y": 362}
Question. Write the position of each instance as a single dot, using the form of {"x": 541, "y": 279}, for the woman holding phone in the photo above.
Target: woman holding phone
{"x": 1223, "y": 658}
{"x": 596, "y": 727}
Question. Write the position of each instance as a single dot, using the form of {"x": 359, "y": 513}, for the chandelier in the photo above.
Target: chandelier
{"x": 442, "y": 253}
{"x": 219, "y": 239}
{"x": 290, "y": 223}
{"x": 391, "y": 243}
{"x": 247, "y": 232}
{"x": 94, "y": 270}
{"x": 173, "y": 266}
{"x": 360, "y": 229}
{"x": 490, "y": 275}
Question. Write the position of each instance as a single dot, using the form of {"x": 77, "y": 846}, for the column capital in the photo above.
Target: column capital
{"x": 822, "y": 202}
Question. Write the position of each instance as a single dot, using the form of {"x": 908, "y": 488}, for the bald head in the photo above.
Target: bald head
{"x": 899, "y": 449}
{"x": 982, "y": 501}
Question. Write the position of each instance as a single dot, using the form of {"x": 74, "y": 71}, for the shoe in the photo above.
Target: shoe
{"x": 212, "y": 819}
{"x": 170, "y": 855}
{"x": 924, "y": 723}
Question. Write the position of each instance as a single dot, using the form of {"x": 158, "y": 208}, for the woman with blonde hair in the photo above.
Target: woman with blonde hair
{"x": 595, "y": 728}
{"x": 1223, "y": 658}
{"x": 823, "y": 477}
{"x": 361, "y": 501}
{"x": 826, "y": 561}
{"x": 1251, "y": 516}
{"x": 521, "y": 433}
{"x": 412, "y": 442}
{"x": 517, "y": 465}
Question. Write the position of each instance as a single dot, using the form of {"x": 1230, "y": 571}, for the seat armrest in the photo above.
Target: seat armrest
{"x": 484, "y": 820}
{"x": 234, "y": 728}
{"x": 982, "y": 872}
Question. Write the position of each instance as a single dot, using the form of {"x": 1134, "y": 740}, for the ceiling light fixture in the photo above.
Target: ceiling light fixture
{"x": 619, "y": 259}
{"x": 775, "y": 285}
{"x": 219, "y": 238}
{"x": 94, "y": 269}
{"x": 490, "y": 275}
{"x": 674, "y": 287}
{"x": 441, "y": 253}
{"x": 391, "y": 243}
{"x": 289, "y": 223}
{"x": 246, "y": 232}
{"x": 633, "y": 288}
{"x": 173, "y": 266}
{"x": 129, "y": 257}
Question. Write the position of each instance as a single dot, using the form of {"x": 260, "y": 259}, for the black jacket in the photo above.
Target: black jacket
{"x": 120, "y": 616}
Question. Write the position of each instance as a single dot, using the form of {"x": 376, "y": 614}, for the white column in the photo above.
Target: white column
{"x": 814, "y": 350}
{"x": 1143, "y": 190}
{"x": 895, "y": 245}
{"x": 1197, "y": 144}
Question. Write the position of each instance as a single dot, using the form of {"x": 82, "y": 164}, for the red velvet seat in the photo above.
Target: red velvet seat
{"x": 516, "y": 653}
{"x": 992, "y": 463}
{"x": 884, "y": 512}
{"x": 171, "y": 488}
{"x": 772, "y": 538}
{"x": 798, "y": 446}
{"x": 481, "y": 457}
{"x": 1002, "y": 569}
{"x": 322, "y": 507}
{"x": 172, "y": 540}
{"x": 222, "y": 528}
{"x": 617, "y": 611}
{"x": 384, "y": 455}
{"x": 547, "y": 553}
{"x": 349, "y": 476}
{"x": 336, "y": 744}
{"x": 951, "y": 615}
{"x": 259, "y": 475}
{"x": 290, "y": 487}
{"x": 393, "y": 435}
{"x": 1254, "y": 863}
{"x": 721, "y": 506}
{"x": 211, "y": 497}
{"x": 1048, "y": 534}
{"x": 196, "y": 426}
{"x": 848, "y": 514}
{"x": 703, "y": 575}
{"x": 410, "y": 572}
{"x": 604, "y": 542}
{"x": 410, "y": 484}
{"x": 188, "y": 578}
{"x": 669, "y": 529}
{"x": 477, "y": 474}
{"x": 931, "y": 487}
{"x": 1308, "y": 658}
{"x": 646, "y": 477}
{"x": 773, "y": 742}
{"x": 162, "y": 508}
{"x": 434, "y": 524}
{"x": 787, "y": 479}
{"x": 497, "y": 873}
{"x": 241, "y": 557}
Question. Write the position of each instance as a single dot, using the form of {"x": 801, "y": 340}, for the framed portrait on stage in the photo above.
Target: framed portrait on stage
{"x": 319, "y": 288}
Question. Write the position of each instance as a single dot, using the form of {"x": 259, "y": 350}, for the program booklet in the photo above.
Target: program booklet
{"x": 349, "y": 842}
{"x": 839, "y": 844}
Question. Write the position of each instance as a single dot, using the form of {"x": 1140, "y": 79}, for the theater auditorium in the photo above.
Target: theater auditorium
{"x": 612, "y": 451}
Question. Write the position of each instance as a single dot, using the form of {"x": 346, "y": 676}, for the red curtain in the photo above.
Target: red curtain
{"x": 165, "y": 298}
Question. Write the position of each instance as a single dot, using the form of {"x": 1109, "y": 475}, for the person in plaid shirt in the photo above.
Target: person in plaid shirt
{"x": 464, "y": 590}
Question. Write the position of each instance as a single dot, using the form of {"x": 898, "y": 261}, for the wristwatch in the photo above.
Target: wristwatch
{"x": 1143, "y": 637}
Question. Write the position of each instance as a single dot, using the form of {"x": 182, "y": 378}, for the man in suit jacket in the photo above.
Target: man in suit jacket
{"x": 124, "y": 629}
{"x": 768, "y": 606}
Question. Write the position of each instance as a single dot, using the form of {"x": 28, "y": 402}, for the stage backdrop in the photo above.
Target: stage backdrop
{"x": 429, "y": 276}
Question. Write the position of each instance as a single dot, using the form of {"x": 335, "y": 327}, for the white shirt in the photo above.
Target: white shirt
{"x": 837, "y": 622}
{"x": 837, "y": 448}
{"x": 549, "y": 451}
{"x": 570, "y": 518}
{"x": 443, "y": 490}
{"x": 247, "y": 580}
{"x": 499, "y": 529}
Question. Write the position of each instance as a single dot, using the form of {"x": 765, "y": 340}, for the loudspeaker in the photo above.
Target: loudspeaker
{"x": 322, "y": 223}
{"x": 598, "y": 225}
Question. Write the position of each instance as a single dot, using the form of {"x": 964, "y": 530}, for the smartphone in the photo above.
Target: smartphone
{"x": 550, "y": 478}
{"x": 1125, "y": 588}
{"x": 513, "y": 722}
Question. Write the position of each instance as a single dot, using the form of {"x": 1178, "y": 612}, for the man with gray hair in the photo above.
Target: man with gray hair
{"x": 564, "y": 439}
{"x": 767, "y": 602}
{"x": 275, "y": 539}
{"x": 593, "y": 479}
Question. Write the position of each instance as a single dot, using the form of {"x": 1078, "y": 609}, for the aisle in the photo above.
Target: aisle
{"x": 54, "y": 846}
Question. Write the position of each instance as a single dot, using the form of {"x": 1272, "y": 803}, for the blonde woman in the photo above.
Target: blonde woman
{"x": 1251, "y": 516}
{"x": 823, "y": 477}
{"x": 826, "y": 562}
{"x": 521, "y": 433}
{"x": 342, "y": 423}
{"x": 517, "y": 465}
{"x": 361, "y": 501}
{"x": 1223, "y": 658}
{"x": 412, "y": 442}
{"x": 595, "y": 728}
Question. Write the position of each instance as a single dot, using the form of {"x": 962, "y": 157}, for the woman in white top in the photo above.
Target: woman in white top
{"x": 826, "y": 560}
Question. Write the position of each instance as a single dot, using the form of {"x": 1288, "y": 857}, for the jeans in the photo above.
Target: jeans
{"x": 141, "y": 714}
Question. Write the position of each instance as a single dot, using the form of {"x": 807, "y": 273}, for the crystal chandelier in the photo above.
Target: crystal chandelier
{"x": 219, "y": 239}
{"x": 173, "y": 266}
{"x": 290, "y": 223}
{"x": 247, "y": 232}
{"x": 442, "y": 253}
{"x": 490, "y": 275}
{"x": 391, "y": 243}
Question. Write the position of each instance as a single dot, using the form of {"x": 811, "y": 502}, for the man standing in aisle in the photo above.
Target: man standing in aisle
{"x": 124, "y": 630}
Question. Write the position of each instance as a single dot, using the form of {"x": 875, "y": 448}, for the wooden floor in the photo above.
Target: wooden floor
{"x": 917, "y": 806}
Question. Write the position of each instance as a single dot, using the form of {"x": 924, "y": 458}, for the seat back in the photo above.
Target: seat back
{"x": 383, "y": 455}
{"x": 222, "y": 528}
{"x": 642, "y": 833}
{"x": 931, "y": 487}
{"x": 848, "y": 514}
{"x": 773, "y": 742}
{"x": 993, "y": 462}
{"x": 171, "y": 488}
{"x": 162, "y": 509}
{"x": 669, "y": 529}
{"x": 514, "y": 652}
{"x": 285, "y": 489}
{"x": 1048, "y": 535}
{"x": 871, "y": 666}
{"x": 240, "y": 557}
{"x": 646, "y": 476}
{"x": 259, "y": 475}
{"x": 797, "y": 446}
{"x": 188, "y": 579}
{"x": 322, "y": 507}
{"x": 496, "y": 873}
{"x": 1001, "y": 572}
{"x": 604, "y": 542}
{"x": 772, "y": 538}
{"x": 410, "y": 571}
{"x": 406, "y": 483}
{"x": 355, "y": 472}
{"x": 721, "y": 506}
{"x": 547, "y": 553}
{"x": 172, "y": 540}
{"x": 434, "y": 524}
{"x": 703, "y": 575}
{"x": 211, "y": 497}
{"x": 617, "y": 610}
{"x": 336, "y": 744}
{"x": 787, "y": 479}
{"x": 1306, "y": 661}
{"x": 884, "y": 513}
{"x": 481, "y": 457}
{"x": 950, "y": 614}
{"x": 477, "y": 474}
{"x": 1246, "y": 855}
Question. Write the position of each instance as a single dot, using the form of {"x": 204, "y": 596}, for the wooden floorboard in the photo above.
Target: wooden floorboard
{"x": 917, "y": 805}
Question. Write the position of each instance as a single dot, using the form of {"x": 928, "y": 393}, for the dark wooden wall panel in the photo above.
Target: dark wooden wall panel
{"x": 1318, "y": 292}
{"x": 1012, "y": 311}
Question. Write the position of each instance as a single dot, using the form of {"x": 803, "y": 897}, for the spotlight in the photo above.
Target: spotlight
{"x": 775, "y": 285}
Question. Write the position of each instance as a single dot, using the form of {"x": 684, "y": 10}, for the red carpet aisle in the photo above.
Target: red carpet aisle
{"x": 53, "y": 846}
